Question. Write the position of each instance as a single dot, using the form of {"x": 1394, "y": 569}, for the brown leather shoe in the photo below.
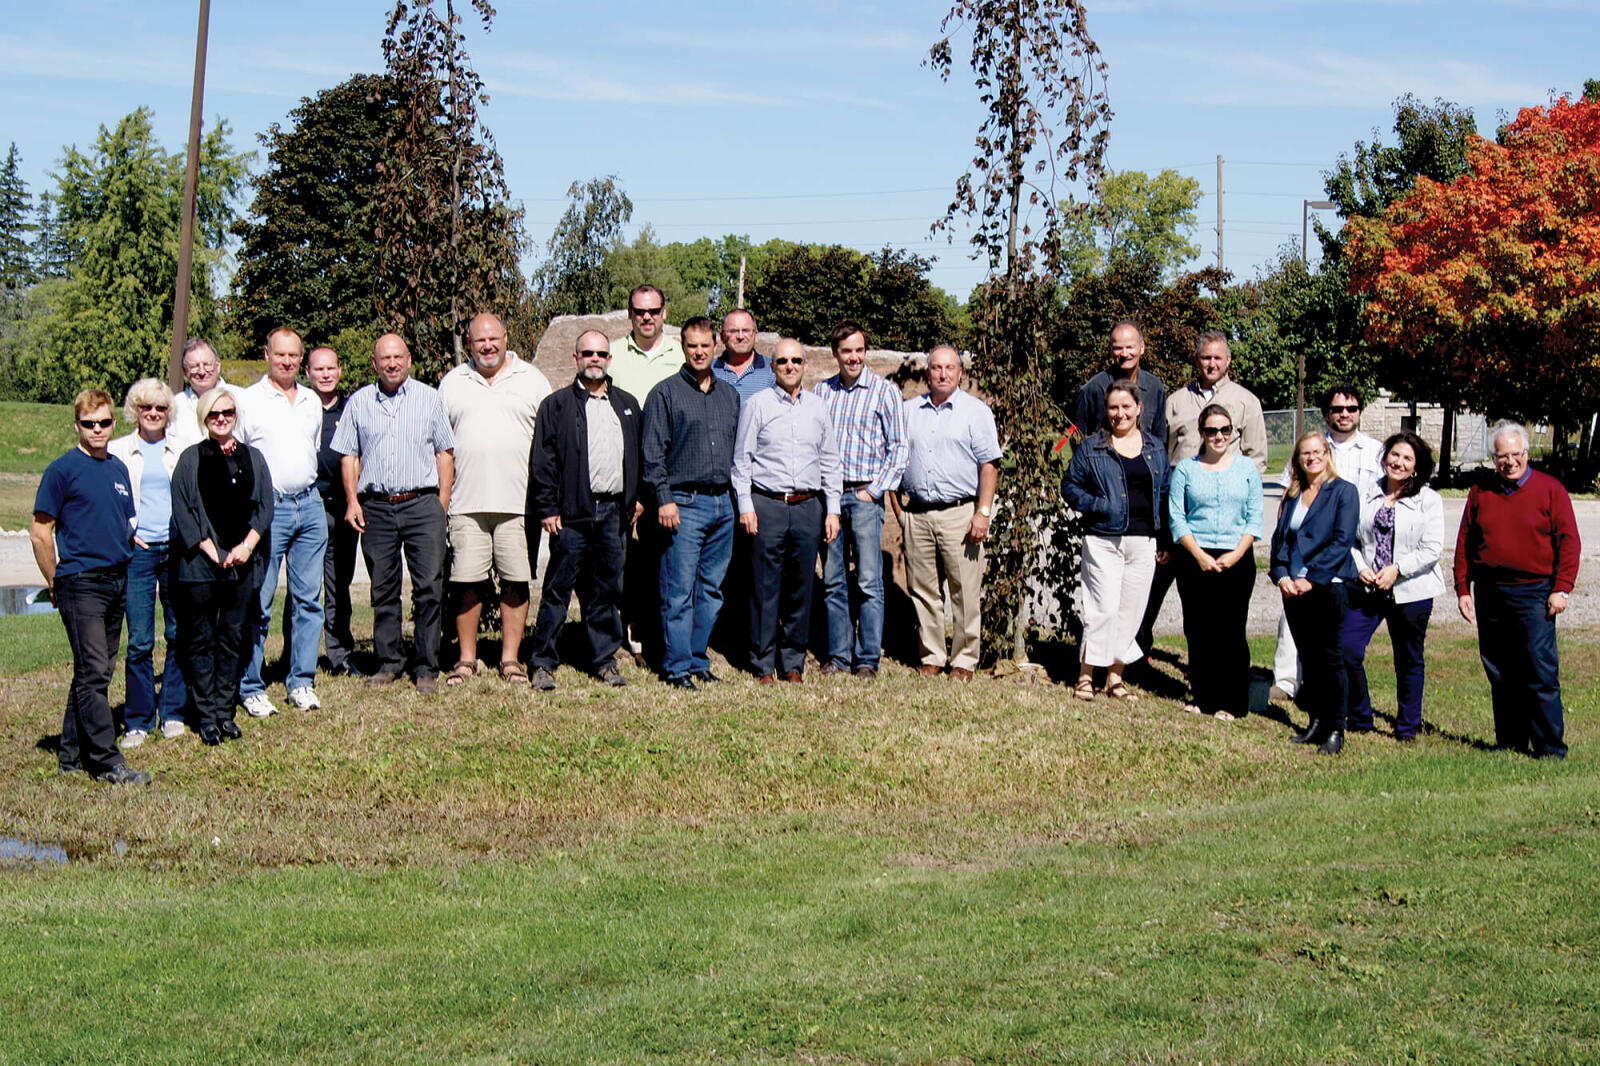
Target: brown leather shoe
{"x": 958, "y": 674}
{"x": 867, "y": 673}
{"x": 766, "y": 679}
{"x": 427, "y": 684}
{"x": 792, "y": 676}
{"x": 381, "y": 678}
{"x": 928, "y": 670}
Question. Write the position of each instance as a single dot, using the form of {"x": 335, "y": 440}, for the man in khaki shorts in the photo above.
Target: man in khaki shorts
{"x": 491, "y": 401}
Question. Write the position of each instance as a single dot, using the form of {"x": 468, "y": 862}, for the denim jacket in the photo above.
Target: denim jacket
{"x": 1094, "y": 486}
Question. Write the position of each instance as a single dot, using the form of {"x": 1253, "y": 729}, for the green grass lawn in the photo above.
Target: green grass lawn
{"x": 836, "y": 873}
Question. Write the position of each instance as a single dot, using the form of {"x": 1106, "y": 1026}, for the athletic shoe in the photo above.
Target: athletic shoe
{"x": 304, "y": 698}
{"x": 257, "y": 705}
{"x": 173, "y": 729}
{"x": 133, "y": 738}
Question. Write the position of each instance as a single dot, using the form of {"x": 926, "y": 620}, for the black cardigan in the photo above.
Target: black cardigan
{"x": 558, "y": 461}
{"x": 190, "y": 524}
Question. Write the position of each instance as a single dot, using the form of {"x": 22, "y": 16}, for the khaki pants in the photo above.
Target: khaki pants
{"x": 936, "y": 550}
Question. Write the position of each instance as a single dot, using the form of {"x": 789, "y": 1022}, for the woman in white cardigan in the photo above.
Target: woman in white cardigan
{"x": 1399, "y": 540}
{"x": 150, "y": 456}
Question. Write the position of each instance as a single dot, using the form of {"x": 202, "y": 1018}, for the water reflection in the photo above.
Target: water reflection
{"x": 19, "y": 852}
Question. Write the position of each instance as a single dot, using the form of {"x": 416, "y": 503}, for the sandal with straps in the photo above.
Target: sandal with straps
{"x": 1119, "y": 691}
{"x": 512, "y": 671}
{"x": 460, "y": 672}
{"x": 1084, "y": 690}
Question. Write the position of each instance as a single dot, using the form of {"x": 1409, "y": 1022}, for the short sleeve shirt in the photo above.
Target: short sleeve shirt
{"x": 92, "y": 503}
{"x": 948, "y": 443}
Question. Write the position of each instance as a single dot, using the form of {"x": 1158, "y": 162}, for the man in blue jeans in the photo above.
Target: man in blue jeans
{"x": 687, "y": 457}
{"x": 870, "y": 424}
{"x": 283, "y": 421}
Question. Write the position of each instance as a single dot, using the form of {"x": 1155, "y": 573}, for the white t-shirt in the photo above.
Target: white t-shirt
{"x": 493, "y": 427}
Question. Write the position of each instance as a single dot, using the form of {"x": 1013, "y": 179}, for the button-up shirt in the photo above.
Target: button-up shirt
{"x": 492, "y": 420}
{"x": 397, "y": 436}
{"x": 636, "y": 371}
{"x": 1358, "y": 460}
{"x": 183, "y": 424}
{"x": 870, "y": 425}
{"x": 786, "y": 445}
{"x": 604, "y": 430}
{"x": 286, "y": 430}
{"x": 688, "y": 434}
{"x": 948, "y": 442}
{"x": 757, "y": 376}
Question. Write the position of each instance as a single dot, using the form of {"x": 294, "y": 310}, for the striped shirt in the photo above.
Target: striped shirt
{"x": 396, "y": 436}
{"x": 870, "y": 424}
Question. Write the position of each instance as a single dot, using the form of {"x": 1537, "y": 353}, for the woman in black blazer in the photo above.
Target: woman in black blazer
{"x": 1313, "y": 567}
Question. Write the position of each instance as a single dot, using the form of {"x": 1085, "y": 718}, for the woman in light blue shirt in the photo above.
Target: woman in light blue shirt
{"x": 1215, "y": 509}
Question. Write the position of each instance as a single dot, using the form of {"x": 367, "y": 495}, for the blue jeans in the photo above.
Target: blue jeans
{"x": 855, "y": 611}
{"x": 148, "y": 574}
{"x": 300, "y": 534}
{"x": 693, "y": 563}
{"x": 1408, "y": 629}
{"x": 1517, "y": 643}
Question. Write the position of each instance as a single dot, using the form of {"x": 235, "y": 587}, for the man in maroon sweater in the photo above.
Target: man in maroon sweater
{"x": 1517, "y": 551}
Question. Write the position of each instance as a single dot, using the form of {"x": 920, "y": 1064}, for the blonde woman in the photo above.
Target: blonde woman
{"x": 1313, "y": 568}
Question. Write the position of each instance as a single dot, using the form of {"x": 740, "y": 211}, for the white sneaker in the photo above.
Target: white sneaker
{"x": 133, "y": 738}
{"x": 304, "y": 698}
{"x": 173, "y": 730}
{"x": 256, "y": 705}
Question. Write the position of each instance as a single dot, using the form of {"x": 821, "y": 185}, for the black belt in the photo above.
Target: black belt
{"x": 916, "y": 506}
{"x": 398, "y": 497}
{"x": 606, "y": 497}
{"x": 787, "y": 497}
{"x": 700, "y": 488}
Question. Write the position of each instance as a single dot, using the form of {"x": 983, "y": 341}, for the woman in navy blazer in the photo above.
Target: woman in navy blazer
{"x": 1313, "y": 568}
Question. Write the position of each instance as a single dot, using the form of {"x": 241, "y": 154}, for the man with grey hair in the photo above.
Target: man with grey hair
{"x": 1515, "y": 565}
{"x": 202, "y": 371}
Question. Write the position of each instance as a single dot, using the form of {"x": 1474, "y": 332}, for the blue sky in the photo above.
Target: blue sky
{"x": 815, "y": 120}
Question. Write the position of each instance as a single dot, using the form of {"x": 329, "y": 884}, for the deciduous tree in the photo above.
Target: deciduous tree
{"x": 1135, "y": 217}
{"x": 577, "y": 277}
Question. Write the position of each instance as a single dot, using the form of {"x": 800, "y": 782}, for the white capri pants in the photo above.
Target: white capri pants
{"x": 1116, "y": 576}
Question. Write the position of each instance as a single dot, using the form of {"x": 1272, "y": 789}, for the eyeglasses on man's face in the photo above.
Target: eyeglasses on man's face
{"x": 96, "y": 423}
{"x": 644, "y": 312}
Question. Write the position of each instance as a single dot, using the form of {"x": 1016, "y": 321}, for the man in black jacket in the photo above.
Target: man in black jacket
{"x": 583, "y": 490}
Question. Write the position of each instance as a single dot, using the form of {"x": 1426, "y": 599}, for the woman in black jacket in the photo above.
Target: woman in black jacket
{"x": 221, "y": 508}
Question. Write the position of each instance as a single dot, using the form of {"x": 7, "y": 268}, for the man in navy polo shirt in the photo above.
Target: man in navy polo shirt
{"x": 82, "y": 535}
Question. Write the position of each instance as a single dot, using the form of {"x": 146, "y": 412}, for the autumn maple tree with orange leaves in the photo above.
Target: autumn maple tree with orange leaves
{"x": 1486, "y": 291}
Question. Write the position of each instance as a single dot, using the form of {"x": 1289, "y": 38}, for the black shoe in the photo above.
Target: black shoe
{"x": 1333, "y": 745}
{"x": 1311, "y": 735}
{"x": 545, "y": 681}
{"x": 612, "y": 675}
{"x": 123, "y": 774}
{"x": 210, "y": 736}
{"x": 707, "y": 675}
{"x": 229, "y": 729}
{"x": 685, "y": 683}
{"x": 67, "y": 769}
{"x": 1359, "y": 727}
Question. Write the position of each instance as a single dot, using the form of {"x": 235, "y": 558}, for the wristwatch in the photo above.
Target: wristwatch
{"x": 985, "y": 510}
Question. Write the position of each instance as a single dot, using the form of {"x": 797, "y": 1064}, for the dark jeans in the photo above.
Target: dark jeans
{"x": 1160, "y": 582}
{"x": 415, "y": 527}
{"x": 150, "y": 576}
{"x": 1408, "y": 628}
{"x": 783, "y": 562}
{"x": 1215, "y": 609}
{"x": 215, "y": 632}
{"x": 641, "y": 609}
{"x": 91, "y": 605}
{"x": 1316, "y": 620}
{"x": 587, "y": 556}
{"x": 1517, "y": 644}
{"x": 338, "y": 570}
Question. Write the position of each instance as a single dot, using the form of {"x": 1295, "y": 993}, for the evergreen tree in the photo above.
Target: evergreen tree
{"x": 16, "y": 269}
{"x": 49, "y": 253}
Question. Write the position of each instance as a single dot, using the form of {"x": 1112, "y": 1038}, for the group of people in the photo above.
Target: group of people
{"x": 709, "y": 485}
{"x": 1170, "y": 489}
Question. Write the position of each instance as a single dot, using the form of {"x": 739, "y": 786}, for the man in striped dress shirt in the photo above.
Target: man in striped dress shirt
{"x": 398, "y": 466}
{"x": 870, "y": 424}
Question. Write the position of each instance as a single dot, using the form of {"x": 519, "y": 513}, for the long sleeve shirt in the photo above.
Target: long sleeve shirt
{"x": 870, "y": 424}
{"x": 786, "y": 445}
{"x": 1183, "y": 420}
{"x": 1215, "y": 507}
{"x": 1518, "y": 537}
{"x": 688, "y": 434}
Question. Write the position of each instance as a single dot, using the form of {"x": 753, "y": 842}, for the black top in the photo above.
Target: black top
{"x": 330, "y": 481}
{"x": 196, "y": 502}
{"x": 558, "y": 461}
{"x": 1141, "y": 496}
{"x": 688, "y": 434}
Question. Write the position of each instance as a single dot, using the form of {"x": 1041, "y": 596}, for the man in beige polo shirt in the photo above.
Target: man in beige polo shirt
{"x": 646, "y": 356}
{"x": 491, "y": 401}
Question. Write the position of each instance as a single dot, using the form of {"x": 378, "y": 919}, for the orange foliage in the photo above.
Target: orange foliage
{"x": 1487, "y": 290}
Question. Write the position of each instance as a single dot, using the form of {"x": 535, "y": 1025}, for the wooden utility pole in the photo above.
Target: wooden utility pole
{"x": 1219, "y": 213}
{"x": 191, "y": 179}
{"x": 740, "y": 303}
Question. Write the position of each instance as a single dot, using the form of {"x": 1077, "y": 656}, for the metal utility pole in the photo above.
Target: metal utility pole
{"x": 191, "y": 179}
{"x": 1306, "y": 207}
{"x": 1219, "y": 213}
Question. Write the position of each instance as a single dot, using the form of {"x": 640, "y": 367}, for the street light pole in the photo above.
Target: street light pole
{"x": 1306, "y": 207}
{"x": 191, "y": 179}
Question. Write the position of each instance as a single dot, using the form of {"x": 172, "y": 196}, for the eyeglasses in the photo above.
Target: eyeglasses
{"x": 788, "y": 361}
{"x": 644, "y": 312}
{"x": 152, "y": 407}
{"x": 217, "y": 414}
{"x": 1343, "y": 408}
{"x": 97, "y": 423}
{"x": 1217, "y": 430}
{"x": 1508, "y": 456}
{"x": 606, "y": 354}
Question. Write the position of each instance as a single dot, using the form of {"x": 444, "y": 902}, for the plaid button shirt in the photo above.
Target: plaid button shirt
{"x": 870, "y": 423}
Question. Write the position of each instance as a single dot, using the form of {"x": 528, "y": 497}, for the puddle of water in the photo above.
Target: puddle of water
{"x": 20, "y": 852}
{"x": 25, "y": 599}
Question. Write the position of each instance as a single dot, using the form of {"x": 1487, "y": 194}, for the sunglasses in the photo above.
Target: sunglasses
{"x": 788, "y": 361}
{"x": 219, "y": 413}
{"x": 1342, "y": 409}
{"x": 153, "y": 407}
{"x": 1217, "y": 430}
{"x": 97, "y": 423}
{"x": 644, "y": 312}
{"x": 596, "y": 355}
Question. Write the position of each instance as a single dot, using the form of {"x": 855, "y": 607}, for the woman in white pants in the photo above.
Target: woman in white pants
{"x": 1116, "y": 480}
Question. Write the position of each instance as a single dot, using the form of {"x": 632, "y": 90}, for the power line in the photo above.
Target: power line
{"x": 774, "y": 196}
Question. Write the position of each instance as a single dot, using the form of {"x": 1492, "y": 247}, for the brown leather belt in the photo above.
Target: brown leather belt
{"x": 786, "y": 497}
{"x": 399, "y": 497}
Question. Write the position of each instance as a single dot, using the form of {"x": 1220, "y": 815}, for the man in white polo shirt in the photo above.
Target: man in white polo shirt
{"x": 491, "y": 401}
{"x": 283, "y": 421}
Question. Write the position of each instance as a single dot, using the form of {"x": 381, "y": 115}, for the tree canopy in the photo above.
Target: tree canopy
{"x": 1135, "y": 217}
{"x": 807, "y": 290}
{"x": 578, "y": 275}
{"x": 16, "y": 203}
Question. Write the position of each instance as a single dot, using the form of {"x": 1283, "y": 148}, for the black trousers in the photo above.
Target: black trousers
{"x": 214, "y": 620}
{"x": 783, "y": 561}
{"x": 1215, "y": 610}
{"x": 1517, "y": 644}
{"x": 1160, "y": 583}
{"x": 641, "y": 611}
{"x": 1316, "y": 620}
{"x": 415, "y": 527}
{"x": 588, "y": 557}
{"x": 91, "y": 605}
{"x": 338, "y": 570}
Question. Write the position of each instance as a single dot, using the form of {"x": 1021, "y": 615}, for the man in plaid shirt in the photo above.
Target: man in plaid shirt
{"x": 870, "y": 424}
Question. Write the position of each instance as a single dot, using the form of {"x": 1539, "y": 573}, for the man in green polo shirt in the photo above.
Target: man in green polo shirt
{"x": 646, "y": 356}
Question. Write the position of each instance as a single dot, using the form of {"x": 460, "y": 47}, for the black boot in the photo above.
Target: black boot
{"x": 1334, "y": 743}
{"x": 1312, "y": 734}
